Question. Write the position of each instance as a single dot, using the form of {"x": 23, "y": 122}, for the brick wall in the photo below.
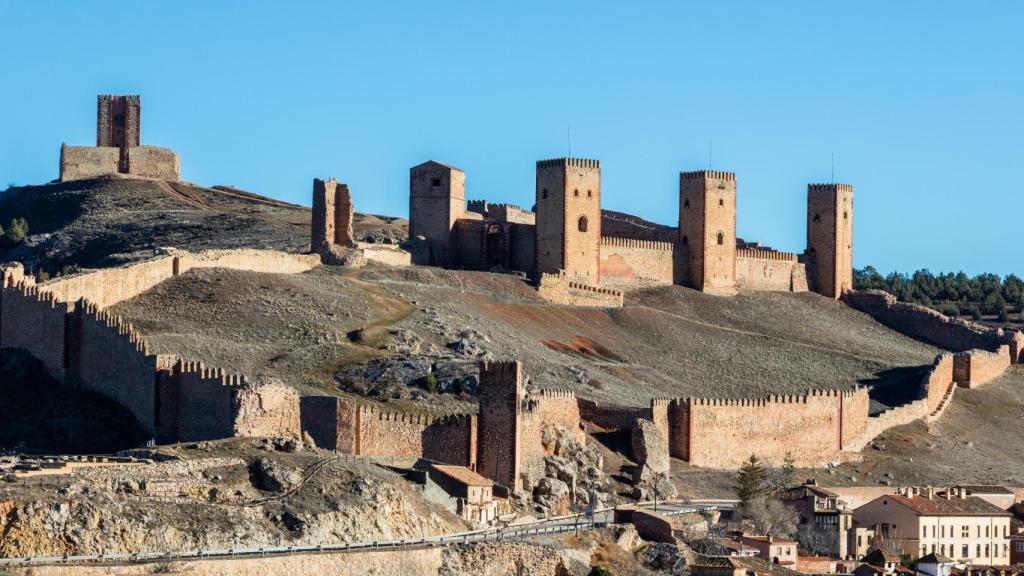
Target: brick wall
{"x": 937, "y": 381}
{"x": 118, "y": 120}
{"x": 437, "y": 198}
{"x": 383, "y": 432}
{"x": 558, "y": 289}
{"x": 78, "y": 162}
{"x": 498, "y": 444}
{"x": 923, "y": 323}
{"x": 633, "y": 263}
{"x": 569, "y": 218}
{"x": 385, "y": 254}
{"x": 270, "y": 409}
{"x": 976, "y": 367}
{"x": 153, "y": 162}
{"x": 771, "y": 271}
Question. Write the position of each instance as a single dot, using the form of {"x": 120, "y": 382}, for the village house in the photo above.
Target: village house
{"x": 778, "y": 550}
{"x": 823, "y": 511}
{"x": 935, "y": 564}
{"x": 880, "y": 562}
{"x": 474, "y": 493}
{"x": 949, "y": 522}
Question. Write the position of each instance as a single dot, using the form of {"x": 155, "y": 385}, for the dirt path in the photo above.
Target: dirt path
{"x": 203, "y": 205}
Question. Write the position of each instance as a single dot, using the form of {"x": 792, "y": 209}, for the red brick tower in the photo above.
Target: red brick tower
{"x": 569, "y": 218}
{"x": 707, "y": 230}
{"x": 830, "y": 237}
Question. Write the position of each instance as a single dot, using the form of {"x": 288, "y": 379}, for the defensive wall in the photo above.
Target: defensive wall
{"x": 79, "y": 162}
{"x": 543, "y": 414}
{"x": 558, "y": 289}
{"x": 629, "y": 263}
{"x": 768, "y": 270}
{"x": 976, "y": 367}
{"x": 82, "y": 344}
{"x": 924, "y": 323}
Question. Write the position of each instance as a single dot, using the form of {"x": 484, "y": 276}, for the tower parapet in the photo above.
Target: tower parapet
{"x": 568, "y": 219}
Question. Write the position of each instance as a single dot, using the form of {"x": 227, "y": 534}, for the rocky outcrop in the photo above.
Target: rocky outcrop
{"x": 573, "y": 476}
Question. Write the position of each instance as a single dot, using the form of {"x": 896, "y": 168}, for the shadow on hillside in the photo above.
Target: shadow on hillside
{"x": 894, "y": 387}
{"x": 41, "y": 416}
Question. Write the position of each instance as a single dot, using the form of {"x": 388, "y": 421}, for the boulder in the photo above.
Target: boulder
{"x": 689, "y": 527}
{"x": 270, "y": 476}
{"x": 650, "y": 449}
{"x": 626, "y": 537}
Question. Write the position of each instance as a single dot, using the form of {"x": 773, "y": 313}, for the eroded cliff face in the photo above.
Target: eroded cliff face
{"x": 214, "y": 501}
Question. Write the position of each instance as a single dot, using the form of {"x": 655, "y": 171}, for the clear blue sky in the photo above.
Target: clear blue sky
{"x": 922, "y": 104}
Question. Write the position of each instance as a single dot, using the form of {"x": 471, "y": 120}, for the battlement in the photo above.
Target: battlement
{"x": 572, "y": 162}
{"x": 707, "y": 175}
{"x": 634, "y": 243}
{"x": 595, "y": 289}
{"x": 554, "y": 393}
{"x": 500, "y": 367}
{"x": 196, "y": 369}
{"x": 809, "y": 396}
{"x": 384, "y": 414}
{"x": 36, "y": 292}
{"x": 119, "y": 325}
{"x": 662, "y": 401}
{"x": 765, "y": 254}
{"x": 834, "y": 187}
{"x": 129, "y": 98}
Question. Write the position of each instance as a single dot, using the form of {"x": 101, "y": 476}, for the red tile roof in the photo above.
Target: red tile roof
{"x": 941, "y": 506}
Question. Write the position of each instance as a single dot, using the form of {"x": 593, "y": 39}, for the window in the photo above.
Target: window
{"x": 817, "y": 218}
{"x": 721, "y": 239}
{"x": 544, "y": 193}
{"x": 685, "y": 240}
{"x": 1018, "y": 546}
{"x": 934, "y": 529}
{"x": 986, "y": 531}
{"x": 978, "y": 549}
{"x": 965, "y": 532}
{"x": 986, "y": 550}
{"x": 943, "y": 531}
{"x": 942, "y": 549}
{"x": 845, "y": 216}
{"x": 721, "y": 202}
{"x": 582, "y": 224}
{"x": 686, "y": 204}
{"x": 964, "y": 551}
{"x": 435, "y": 181}
{"x": 590, "y": 193}
{"x": 576, "y": 193}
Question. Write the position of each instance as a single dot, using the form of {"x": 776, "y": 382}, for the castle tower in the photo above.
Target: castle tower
{"x": 569, "y": 218}
{"x": 118, "y": 124}
{"x": 437, "y": 198}
{"x": 830, "y": 237}
{"x": 332, "y": 215}
{"x": 707, "y": 230}
{"x": 498, "y": 423}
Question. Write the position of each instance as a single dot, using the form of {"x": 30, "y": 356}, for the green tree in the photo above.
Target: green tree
{"x": 751, "y": 481}
{"x": 17, "y": 230}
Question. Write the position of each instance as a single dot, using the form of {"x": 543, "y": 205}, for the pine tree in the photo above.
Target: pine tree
{"x": 788, "y": 470}
{"x": 751, "y": 481}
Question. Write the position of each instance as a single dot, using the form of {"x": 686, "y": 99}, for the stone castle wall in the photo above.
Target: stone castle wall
{"x": 924, "y": 323}
{"x": 79, "y": 162}
{"x": 626, "y": 262}
{"x": 811, "y": 427}
{"x": 85, "y": 346}
{"x": 976, "y": 367}
{"x": 558, "y": 289}
{"x": 937, "y": 382}
{"x": 770, "y": 271}
{"x": 499, "y": 425}
{"x": 544, "y": 413}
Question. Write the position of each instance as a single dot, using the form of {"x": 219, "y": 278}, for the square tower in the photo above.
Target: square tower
{"x": 569, "y": 218}
{"x": 437, "y": 198}
{"x": 118, "y": 121}
{"x": 498, "y": 423}
{"x": 830, "y": 237}
{"x": 707, "y": 230}
{"x": 332, "y": 215}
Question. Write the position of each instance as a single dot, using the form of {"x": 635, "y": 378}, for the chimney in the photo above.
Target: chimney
{"x": 929, "y": 492}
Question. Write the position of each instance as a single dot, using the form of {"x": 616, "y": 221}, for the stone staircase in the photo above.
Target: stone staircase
{"x": 947, "y": 398}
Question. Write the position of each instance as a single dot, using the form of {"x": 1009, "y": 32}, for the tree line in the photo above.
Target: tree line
{"x": 953, "y": 294}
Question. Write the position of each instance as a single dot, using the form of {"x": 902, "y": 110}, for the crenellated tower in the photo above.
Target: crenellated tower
{"x": 437, "y": 198}
{"x": 569, "y": 218}
{"x": 830, "y": 237}
{"x": 118, "y": 124}
{"x": 498, "y": 424}
{"x": 707, "y": 231}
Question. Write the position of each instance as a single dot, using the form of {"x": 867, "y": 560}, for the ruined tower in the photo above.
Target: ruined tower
{"x": 498, "y": 424}
{"x": 118, "y": 124}
{"x": 569, "y": 218}
{"x": 332, "y": 215}
{"x": 830, "y": 237}
{"x": 437, "y": 198}
{"x": 707, "y": 230}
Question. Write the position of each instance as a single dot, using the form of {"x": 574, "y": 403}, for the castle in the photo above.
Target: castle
{"x": 563, "y": 236}
{"x": 118, "y": 147}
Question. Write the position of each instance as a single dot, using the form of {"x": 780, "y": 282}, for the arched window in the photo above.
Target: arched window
{"x": 686, "y": 204}
{"x": 590, "y": 193}
{"x": 544, "y": 194}
{"x": 721, "y": 238}
{"x": 817, "y": 218}
{"x": 582, "y": 224}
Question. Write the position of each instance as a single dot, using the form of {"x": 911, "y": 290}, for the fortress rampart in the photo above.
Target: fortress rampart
{"x": 83, "y": 345}
{"x": 770, "y": 271}
{"x": 976, "y": 367}
{"x": 558, "y": 289}
{"x": 924, "y": 323}
{"x": 629, "y": 263}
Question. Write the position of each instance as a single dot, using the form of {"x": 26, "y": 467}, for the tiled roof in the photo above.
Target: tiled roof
{"x": 765, "y": 539}
{"x": 756, "y": 564}
{"x": 462, "y": 474}
{"x": 987, "y": 489}
{"x": 879, "y": 556}
{"x": 941, "y": 506}
{"x": 934, "y": 558}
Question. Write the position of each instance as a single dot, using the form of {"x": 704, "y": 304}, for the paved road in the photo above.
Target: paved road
{"x": 551, "y": 526}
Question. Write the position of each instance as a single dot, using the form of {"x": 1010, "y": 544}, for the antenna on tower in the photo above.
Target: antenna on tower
{"x": 709, "y": 155}
{"x": 833, "y": 167}
{"x": 568, "y": 139}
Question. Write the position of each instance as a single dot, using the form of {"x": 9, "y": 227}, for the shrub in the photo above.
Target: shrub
{"x": 17, "y": 230}
{"x": 951, "y": 311}
{"x": 1003, "y": 316}
{"x": 600, "y": 571}
{"x": 430, "y": 382}
{"x": 975, "y": 314}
